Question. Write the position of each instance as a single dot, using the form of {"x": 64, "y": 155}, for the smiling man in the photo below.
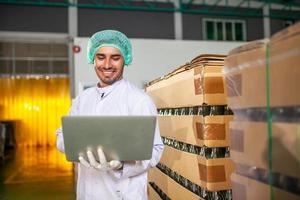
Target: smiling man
{"x": 110, "y": 51}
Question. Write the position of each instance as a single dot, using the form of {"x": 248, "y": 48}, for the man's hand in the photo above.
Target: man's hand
{"x": 102, "y": 165}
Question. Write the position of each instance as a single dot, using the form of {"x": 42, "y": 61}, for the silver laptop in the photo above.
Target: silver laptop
{"x": 123, "y": 138}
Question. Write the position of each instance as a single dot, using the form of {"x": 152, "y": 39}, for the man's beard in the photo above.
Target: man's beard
{"x": 111, "y": 81}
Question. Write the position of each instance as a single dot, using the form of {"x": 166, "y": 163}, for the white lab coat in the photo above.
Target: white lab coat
{"x": 121, "y": 98}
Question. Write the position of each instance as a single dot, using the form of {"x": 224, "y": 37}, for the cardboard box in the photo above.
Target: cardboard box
{"x": 284, "y": 65}
{"x": 210, "y": 174}
{"x": 210, "y": 131}
{"x": 169, "y": 186}
{"x": 245, "y": 71}
{"x": 196, "y": 83}
{"x": 152, "y": 194}
{"x": 244, "y": 188}
{"x": 249, "y": 146}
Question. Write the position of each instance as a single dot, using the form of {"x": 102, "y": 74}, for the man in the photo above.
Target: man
{"x": 109, "y": 51}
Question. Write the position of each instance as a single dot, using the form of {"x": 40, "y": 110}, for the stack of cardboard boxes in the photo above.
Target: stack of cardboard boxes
{"x": 194, "y": 124}
{"x": 263, "y": 88}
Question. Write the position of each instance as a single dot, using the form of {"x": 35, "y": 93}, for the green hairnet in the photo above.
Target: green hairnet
{"x": 109, "y": 38}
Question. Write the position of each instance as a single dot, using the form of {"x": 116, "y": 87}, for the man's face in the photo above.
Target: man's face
{"x": 109, "y": 65}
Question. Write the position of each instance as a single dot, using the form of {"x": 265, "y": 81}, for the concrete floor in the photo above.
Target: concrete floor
{"x": 35, "y": 174}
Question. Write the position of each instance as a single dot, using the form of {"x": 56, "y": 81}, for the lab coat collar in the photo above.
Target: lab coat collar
{"x": 103, "y": 92}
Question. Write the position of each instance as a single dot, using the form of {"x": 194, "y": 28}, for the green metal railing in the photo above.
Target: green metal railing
{"x": 185, "y": 6}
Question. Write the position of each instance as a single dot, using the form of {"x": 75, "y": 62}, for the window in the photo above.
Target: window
{"x": 229, "y": 32}
{"x": 33, "y": 58}
{"x": 224, "y": 30}
{"x": 220, "y": 31}
{"x": 210, "y": 30}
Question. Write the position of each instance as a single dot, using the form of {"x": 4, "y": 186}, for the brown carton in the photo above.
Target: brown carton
{"x": 245, "y": 71}
{"x": 245, "y": 76}
{"x": 284, "y": 67}
{"x": 244, "y": 188}
{"x": 210, "y": 131}
{"x": 249, "y": 146}
{"x": 210, "y": 174}
{"x": 170, "y": 187}
{"x": 152, "y": 194}
{"x": 196, "y": 83}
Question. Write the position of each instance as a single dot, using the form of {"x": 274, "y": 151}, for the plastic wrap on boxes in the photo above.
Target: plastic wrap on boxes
{"x": 253, "y": 69}
{"x": 262, "y": 83}
{"x": 252, "y": 161}
{"x": 279, "y": 114}
{"x": 244, "y": 72}
{"x": 248, "y": 188}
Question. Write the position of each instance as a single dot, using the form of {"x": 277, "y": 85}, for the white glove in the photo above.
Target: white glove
{"x": 102, "y": 165}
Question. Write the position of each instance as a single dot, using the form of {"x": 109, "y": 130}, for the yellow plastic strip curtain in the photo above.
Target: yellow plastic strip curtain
{"x": 35, "y": 105}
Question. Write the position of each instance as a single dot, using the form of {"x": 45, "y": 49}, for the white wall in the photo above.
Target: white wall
{"x": 152, "y": 58}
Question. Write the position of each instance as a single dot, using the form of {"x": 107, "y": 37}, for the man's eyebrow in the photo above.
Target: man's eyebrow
{"x": 100, "y": 54}
{"x": 116, "y": 55}
{"x": 103, "y": 54}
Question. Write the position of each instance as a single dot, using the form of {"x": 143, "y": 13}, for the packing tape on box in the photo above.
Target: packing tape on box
{"x": 212, "y": 174}
{"x": 198, "y": 85}
{"x": 237, "y": 140}
{"x": 234, "y": 85}
{"x": 208, "y": 85}
{"x": 210, "y": 131}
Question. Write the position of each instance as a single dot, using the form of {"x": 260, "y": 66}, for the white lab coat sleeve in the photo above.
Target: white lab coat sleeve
{"x": 130, "y": 169}
{"x": 59, "y": 134}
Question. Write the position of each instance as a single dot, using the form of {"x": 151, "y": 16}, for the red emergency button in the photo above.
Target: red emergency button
{"x": 76, "y": 49}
